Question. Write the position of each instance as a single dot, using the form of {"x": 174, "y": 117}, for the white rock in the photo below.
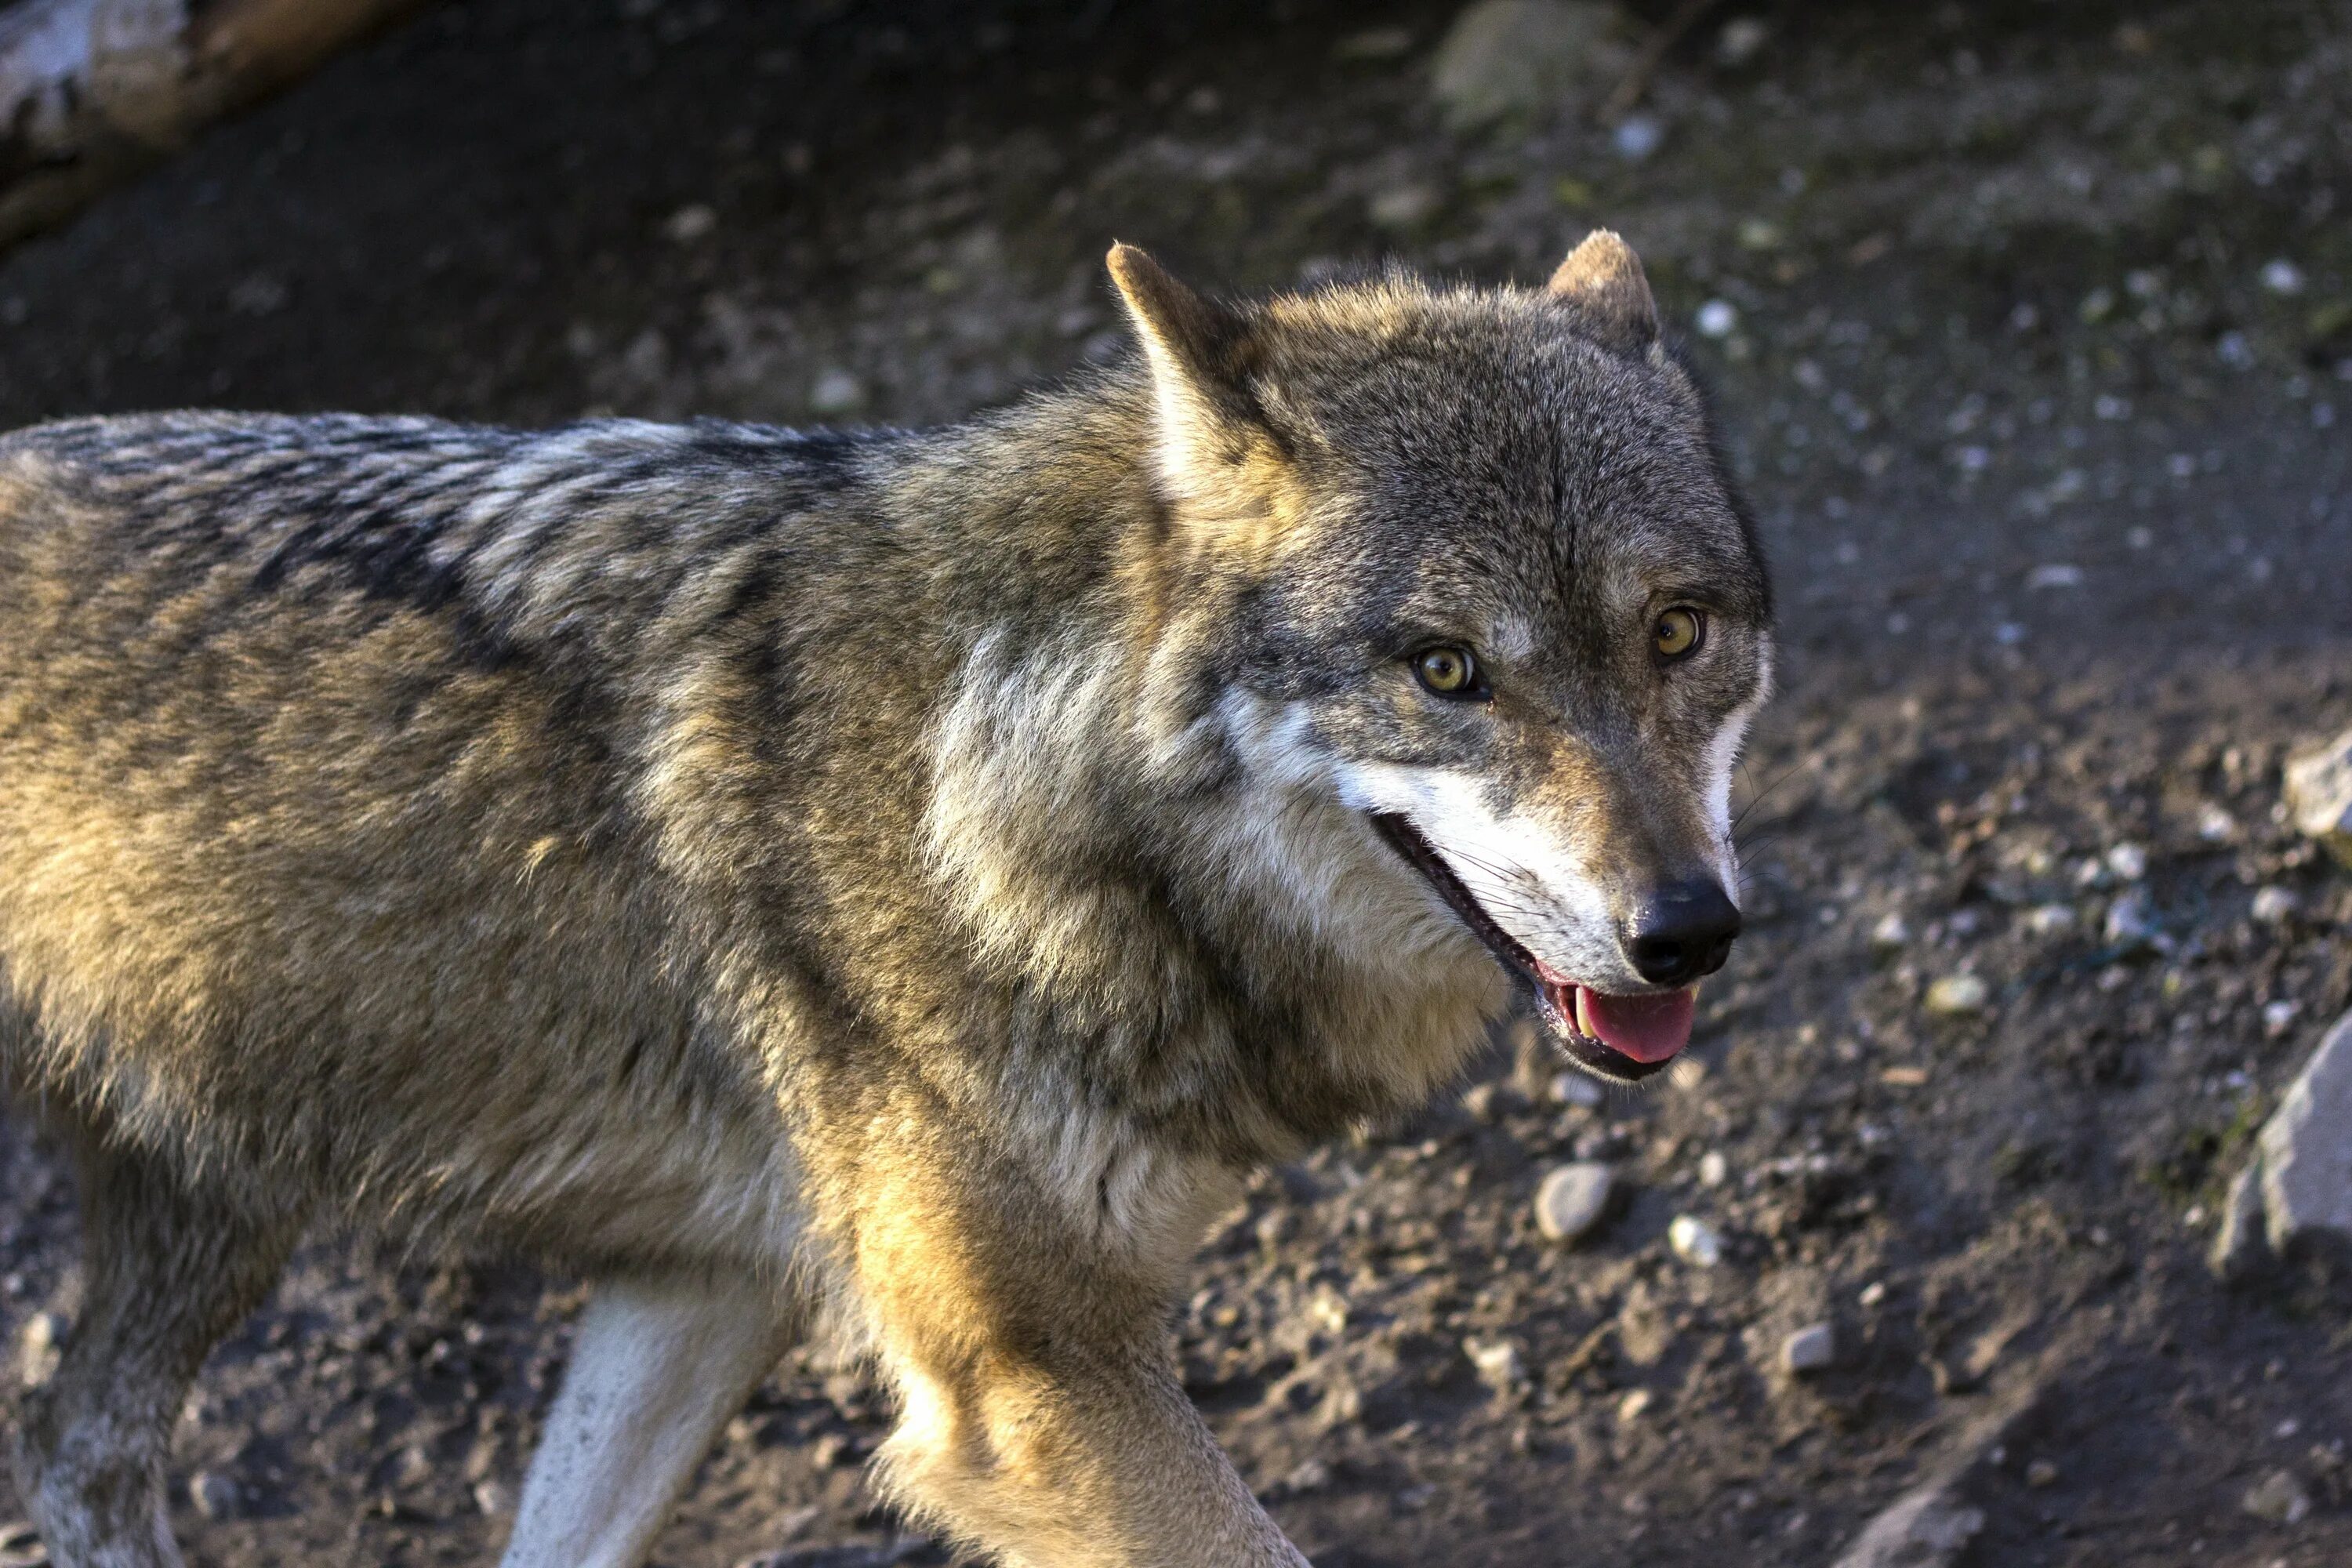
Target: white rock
{"x": 38, "y": 1344}
{"x": 2215, "y": 825}
{"x": 2307, "y": 1147}
{"x": 1633, "y": 1407}
{"x": 836, "y": 392}
{"x": 1694, "y": 1241}
{"x": 2127, "y": 860}
{"x": 1500, "y": 1365}
{"x": 1573, "y": 1199}
{"x": 1742, "y": 38}
{"x": 2274, "y": 904}
{"x": 2278, "y": 1497}
{"x": 1714, "y": 1170}
{"x": 1637, "y": 136}
{"x": 690, "y": 223}
{"x": 1809, "y": 1349}
{"x": 2051, "y": 919}
{"x": 1959, "y": 996}
{"x": 1928, "y": 1528}
{"x": 2131, "y": 919}
{"x": 1503, "y": 58}
{"x": 1891, "y": 931}
{"x": 2298, "y": 1185}
{"x": 2319, "y": 795}
{"x": 1404, "y": 207}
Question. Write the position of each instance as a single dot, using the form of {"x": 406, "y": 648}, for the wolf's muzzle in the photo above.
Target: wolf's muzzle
{"x": 1681, "y": 933}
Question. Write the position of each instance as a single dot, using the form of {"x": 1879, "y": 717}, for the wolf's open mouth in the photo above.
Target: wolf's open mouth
{"x": 1625, "y": 1037}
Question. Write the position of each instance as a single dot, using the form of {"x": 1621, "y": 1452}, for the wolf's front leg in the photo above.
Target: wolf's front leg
{"x": 1086, "y": 1459}
{"x": 656, "y": 1370}
{"x": 1022, "y": 1318}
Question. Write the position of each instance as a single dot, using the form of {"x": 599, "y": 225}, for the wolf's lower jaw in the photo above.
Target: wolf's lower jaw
{"x": 1555, "y": 997}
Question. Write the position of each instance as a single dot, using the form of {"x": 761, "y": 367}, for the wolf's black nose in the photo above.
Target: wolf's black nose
{"x": 1682, "y": 933}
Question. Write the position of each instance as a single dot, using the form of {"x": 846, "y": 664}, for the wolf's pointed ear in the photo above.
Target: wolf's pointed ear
{"x": 1603, "y": 279}
{"x": 1199, "y": 353}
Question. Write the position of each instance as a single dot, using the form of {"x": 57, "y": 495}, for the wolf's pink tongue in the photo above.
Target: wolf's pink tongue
{"x": 1648, "y": 1028}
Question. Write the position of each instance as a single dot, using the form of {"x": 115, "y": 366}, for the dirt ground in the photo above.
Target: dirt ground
{"x": 2031, "y": 325}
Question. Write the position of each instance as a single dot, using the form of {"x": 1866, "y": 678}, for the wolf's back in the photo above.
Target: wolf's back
{"x": 317, "y": 832}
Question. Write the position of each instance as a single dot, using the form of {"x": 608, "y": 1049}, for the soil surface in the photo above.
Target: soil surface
{"x": 2031, "y": 326}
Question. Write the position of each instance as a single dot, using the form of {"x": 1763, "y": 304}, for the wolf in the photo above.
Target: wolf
{"x": 905, "y": 879}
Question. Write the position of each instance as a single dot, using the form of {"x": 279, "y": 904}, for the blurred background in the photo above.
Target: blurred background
{"x": 2031, "y": 326}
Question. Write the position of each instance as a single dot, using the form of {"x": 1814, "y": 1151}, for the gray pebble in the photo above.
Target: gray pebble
{"x": 1572, "y": 1199}
{"x": 1810, "y": 1349}
{"x": 214, "y": 1495}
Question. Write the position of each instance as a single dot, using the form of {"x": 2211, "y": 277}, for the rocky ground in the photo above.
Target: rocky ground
{"x": 2032, "y": 327}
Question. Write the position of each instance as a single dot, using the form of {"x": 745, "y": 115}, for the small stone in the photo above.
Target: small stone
{"x": 2278, "y": 1497}
{"x": 2275, "y": 905}
{"x": 690, "y": 223}
{"x": 830, "y": 1450}
{"x": 494, "y": 1498}
{"x": 1959, "y": 996}
{"x": 2041, "y": 1473}
{"x": 2131, "y": 920}
{"x": 1741, "y": 40}
{"x": 1632, "y": 1407}
{"x": 1891, "y": 933}
{"x": 1716, "y": 319}
{"x": 38, "y": 1345}
{"x": 1637, "y": 136}
{"x": 2319, "y": 795}
{"x": 1573, "y": 1199}
{"x": 1500, "y": 1364}
{"x": 2282, "y": 277}
{"x": 1694, "y": 1241}
{"x": 214, "y": 1495}
{"x": 1403, "y": 207}
{"x": 1578, "y": 1089}
{"x": 2051, "y": 919}
{"x": 1309, "y": 1476}
{"x": 1873, "y": 1293}
{"x": 1810, "y": 1349}
{"x": 1714, "y": 1170}
{"x": 1525, "y": 59}
{"x": 1925, "y": 1528}
{"x": 2279, "y": 1017}
{"x": 415, "y": 1467}
{"x": 836, "y": 393}
{"x": 2127, "y": 860}
{"x": 2298, "y": 1185}
{"x": 2215, "y": 825}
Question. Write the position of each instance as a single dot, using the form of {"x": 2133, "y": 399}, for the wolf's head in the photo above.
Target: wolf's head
{"x": 1482, "y": 583}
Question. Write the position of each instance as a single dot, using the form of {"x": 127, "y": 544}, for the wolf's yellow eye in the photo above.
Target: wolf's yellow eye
{"x": 1678, "y": 632}
{"x": 1447, "y": 671}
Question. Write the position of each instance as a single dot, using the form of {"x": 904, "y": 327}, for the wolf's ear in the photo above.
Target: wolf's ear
{"x": 1201, "y": 354}
{"x": 1603, "y": 279}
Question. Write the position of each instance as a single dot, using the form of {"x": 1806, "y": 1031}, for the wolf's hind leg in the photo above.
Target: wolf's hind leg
{"x": 656, "y": 1371}
{"x": 170, "y": 1265}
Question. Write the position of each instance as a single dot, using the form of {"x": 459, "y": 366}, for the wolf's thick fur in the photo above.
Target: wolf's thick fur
{"x": 915, "y": 874}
